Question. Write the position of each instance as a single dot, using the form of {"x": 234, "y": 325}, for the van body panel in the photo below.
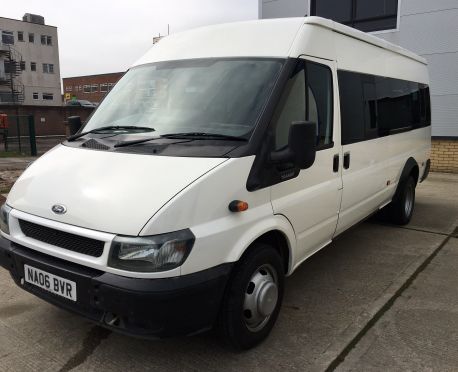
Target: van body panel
{"x": 206, "y": 212}
{"x": 375, "y": 169}
{"x": 102, "y": 197}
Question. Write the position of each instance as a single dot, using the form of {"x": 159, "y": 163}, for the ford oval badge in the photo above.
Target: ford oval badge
{"x": 59, "y": 209}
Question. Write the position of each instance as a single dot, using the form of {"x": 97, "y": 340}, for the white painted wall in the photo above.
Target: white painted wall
{"x": 35, "y": 52}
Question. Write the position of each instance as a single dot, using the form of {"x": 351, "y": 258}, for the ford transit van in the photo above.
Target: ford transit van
{"x": 224, "y": 158}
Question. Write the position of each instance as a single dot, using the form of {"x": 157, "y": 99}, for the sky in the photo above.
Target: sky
{"x": 102, "y": 36}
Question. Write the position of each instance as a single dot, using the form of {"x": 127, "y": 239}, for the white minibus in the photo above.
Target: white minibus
{"x": 225, "y": 157}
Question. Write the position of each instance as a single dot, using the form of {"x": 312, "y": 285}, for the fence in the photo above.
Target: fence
{"x": 17, "y": 133}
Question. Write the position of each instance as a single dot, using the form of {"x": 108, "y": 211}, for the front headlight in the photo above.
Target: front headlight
{"x": 151, "y": 253}
{"x": 4, "y": 218}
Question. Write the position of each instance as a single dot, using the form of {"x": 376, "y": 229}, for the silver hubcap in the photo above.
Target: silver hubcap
{"x": 261, "y": 297}
{"x": 409, "y": 201}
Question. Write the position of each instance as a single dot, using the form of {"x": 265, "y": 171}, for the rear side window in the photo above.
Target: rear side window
{"x": 307, "y": 97}
{"x": 375, "y": 106}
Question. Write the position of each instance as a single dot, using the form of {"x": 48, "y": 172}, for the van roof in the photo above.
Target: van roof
{"x": 258, "y": 38}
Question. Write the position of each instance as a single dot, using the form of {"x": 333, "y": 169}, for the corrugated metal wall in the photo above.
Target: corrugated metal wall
{"x": 427, "y": 27}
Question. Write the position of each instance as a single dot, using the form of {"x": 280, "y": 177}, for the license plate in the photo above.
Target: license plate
{"x": 51, "y": 283}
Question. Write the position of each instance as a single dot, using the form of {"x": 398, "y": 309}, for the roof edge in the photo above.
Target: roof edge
{"x": 363, "y": 36}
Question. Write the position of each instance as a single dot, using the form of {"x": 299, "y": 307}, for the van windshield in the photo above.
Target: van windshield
{"x": 217, "y": 96}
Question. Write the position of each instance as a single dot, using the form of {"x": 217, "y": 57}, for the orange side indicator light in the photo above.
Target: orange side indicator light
{"x": 238, "y": 206}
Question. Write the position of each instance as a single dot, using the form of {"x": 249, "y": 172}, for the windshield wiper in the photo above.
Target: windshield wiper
{"x": 203, "y": 135}
{"x": 108, "y": 127}
{"x": 186, "y": 135}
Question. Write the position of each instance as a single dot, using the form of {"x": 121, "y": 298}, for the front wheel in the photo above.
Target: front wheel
{"x": 253, "y": 298}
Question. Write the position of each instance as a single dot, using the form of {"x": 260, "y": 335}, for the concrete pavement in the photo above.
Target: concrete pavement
{"x": 378, "y": 298}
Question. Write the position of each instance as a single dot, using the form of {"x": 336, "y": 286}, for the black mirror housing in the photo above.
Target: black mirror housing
{"x": 301, "y": 148}
{"x": 302, "y": 143}
{"x": 74, "y": 124}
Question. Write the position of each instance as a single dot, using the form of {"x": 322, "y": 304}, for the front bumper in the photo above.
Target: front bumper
{"x": 149, "y": 308}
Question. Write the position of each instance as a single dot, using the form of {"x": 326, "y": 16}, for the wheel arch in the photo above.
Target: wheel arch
{"x": 280, "y": 235}
{"x": 410, "y": 168}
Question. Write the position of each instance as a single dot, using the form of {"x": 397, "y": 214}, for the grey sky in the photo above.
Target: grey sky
{"x": 108, "y": 36}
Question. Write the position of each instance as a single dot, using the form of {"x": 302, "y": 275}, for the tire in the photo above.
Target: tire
{"x": 400, "y": 210}
{"x": 249, "y": 310}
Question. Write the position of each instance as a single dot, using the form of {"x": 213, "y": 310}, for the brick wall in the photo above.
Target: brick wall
{"x": 99, "y": 86}
{"x": 444, "y": 155}
{"x": 49, "y": 120}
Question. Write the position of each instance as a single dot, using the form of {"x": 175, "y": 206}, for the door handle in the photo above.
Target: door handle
{"x": 335, "y": 163}
{"x": 346, "y": 161}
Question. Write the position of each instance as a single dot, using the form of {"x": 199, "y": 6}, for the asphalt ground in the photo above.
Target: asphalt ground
{"x": 378, "y": 298}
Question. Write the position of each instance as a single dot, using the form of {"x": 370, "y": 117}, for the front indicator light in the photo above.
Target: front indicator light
{"x": 151, "y": 253}
{"x": 4, "y": 218}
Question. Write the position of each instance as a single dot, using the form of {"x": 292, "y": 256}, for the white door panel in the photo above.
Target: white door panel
{"x": 311, "y": 203}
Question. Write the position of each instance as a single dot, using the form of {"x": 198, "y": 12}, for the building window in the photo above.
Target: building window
{"x": 80, "y": 88}
{"x": 375, "y": 15}
{"x": 31, "y": 37}
{"x": 68, "y": 88}
{"x": 110, "y": 86}
{"x": 46, "y": 40}
{"x": 103, "y": 88}
{"x": 86, "y": 89}
{"x": 33, "y": 66}
{"x": 35, "y": 95}
{"x": 94, "y": 88}
{"x": 22, "y": 64}
{"x": 20, "y": 36}
{"x": 7, "y": 37}
{"x": 48, "y": 68}
{"x": 48, "y": 96}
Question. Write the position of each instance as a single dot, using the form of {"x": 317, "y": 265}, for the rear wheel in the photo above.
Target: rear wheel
{"x": 253, "y": 298}
{"x": 400, "y": 210}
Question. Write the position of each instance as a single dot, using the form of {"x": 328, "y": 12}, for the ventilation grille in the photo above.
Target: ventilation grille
{"x": 72, "y": 242}
{"x": 93, "y": 144}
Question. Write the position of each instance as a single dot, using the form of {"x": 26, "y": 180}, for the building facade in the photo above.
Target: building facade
{"x": 91, "y": 87}
{"x": 428, "y": 28}
{"x": 29, "y": 62}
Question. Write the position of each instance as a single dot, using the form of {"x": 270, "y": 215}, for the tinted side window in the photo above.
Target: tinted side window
{"x": 375, "y": 106}
{"x": 351, "y": 107}
{"x": 320, "y": 101}
{"x": 291, "y": 107}
{"x": 307, "y": 97}
{"x": 399, "y": 105}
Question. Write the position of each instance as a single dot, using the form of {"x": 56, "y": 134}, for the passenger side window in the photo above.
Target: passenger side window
{"x": 307, "y": 97}
{"x": 320, "y": 101}
{"x": 374, "y": 106}
{"x": 291, "y": 107}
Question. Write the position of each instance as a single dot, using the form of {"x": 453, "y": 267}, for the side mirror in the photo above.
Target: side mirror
{"x": 301, "y": 148}
{"x": 73, "y": 124}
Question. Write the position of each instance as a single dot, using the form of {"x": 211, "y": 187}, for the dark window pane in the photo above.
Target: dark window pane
{"x": 33, "y": 66}
{"x": 20, "y": 36}
{"x": 339, "y": 11}
{"x": 290, "y": 108}
{"x": 370, "y": 106}
{"x": 31, "y": 38}
{"x": 399, "y": 105}
{"x": 351, "y": 107}
{"x": 375, "y": 8}
{"x": 319, "y": 100}
{"x": 376, "y": 25}
{"x": 7, "y": 37}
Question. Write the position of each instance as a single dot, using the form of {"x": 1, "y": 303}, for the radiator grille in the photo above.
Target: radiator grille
{"x": 72, "y": 242}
